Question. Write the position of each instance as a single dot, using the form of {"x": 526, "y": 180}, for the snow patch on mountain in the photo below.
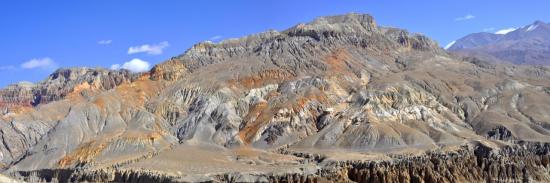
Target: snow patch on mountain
{"x": 531, "y": 27}
{"x": 505, "y": 31}
{"x": 449, "y": 45}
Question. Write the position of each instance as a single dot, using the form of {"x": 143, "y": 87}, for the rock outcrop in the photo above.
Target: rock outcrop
{"x": 58, "y": 85}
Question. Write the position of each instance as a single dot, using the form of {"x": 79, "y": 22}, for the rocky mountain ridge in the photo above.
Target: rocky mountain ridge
{"x": 58, "y": 85}
{"x": 525, "y": 45}
{"x": 336, "y": 99}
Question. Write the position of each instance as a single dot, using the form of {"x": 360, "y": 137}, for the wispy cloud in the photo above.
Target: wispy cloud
{"x": 134, "y": 65}
{"x": 39, "y": 63}
{"x": 505, "y": 31}
{"x": 489, "y": 29}
{"x": 466, "y": 17}
{"x": 152, "y": 49}
{"x": 215, "y": 38}
{"x": 450, "y": 44}
{"x": 7, "y": 67}
{"x": 105, "y": 42}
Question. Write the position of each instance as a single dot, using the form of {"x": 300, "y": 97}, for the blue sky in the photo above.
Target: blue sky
{"x": 37, "y": 37}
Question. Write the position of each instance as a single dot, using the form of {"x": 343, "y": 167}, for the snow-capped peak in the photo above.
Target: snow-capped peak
{"x": 505, "y": 31}
{"x": 449, "y": 45}
{"x": 532, "y": 27}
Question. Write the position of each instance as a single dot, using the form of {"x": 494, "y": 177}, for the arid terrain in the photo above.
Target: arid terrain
{"x": 338, "y": 99}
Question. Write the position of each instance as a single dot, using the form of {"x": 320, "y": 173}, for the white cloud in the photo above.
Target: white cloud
{"x": 214, "y": 38}
{"x": 466, "y": 17}
{"x": 489, "y": 29}
{"x": 505, "y": 31}
{"x": 105, "y": 42}
{"x": 450, "y": 44}
{"x": 115, "y": 67}
{"x": 43, "y": 63}
{"x": 152, "y": 49}
{"x": 134, "y": 65}
{"x": 6, "y": 67}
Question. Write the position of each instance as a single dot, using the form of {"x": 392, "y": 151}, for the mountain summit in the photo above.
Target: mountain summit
{"x": 338, "y": 99}
{"x": 527, "y": 45}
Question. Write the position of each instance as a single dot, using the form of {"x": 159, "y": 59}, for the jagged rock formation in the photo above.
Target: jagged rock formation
{"x": 337, "y": 99}
{"x": 525, "y": 45}
{"x": 60, "y": 84}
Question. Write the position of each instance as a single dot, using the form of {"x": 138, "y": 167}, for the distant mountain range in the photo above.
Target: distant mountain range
{"x": 527, "y": 45}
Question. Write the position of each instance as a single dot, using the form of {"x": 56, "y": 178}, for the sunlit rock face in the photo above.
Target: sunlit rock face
{"x": 336, "y": 99}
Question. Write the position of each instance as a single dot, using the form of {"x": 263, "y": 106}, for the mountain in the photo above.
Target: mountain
{"x": 58, "y": 85}
{"x": 527, "y": 45}
{"x": 338, "y": 99}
